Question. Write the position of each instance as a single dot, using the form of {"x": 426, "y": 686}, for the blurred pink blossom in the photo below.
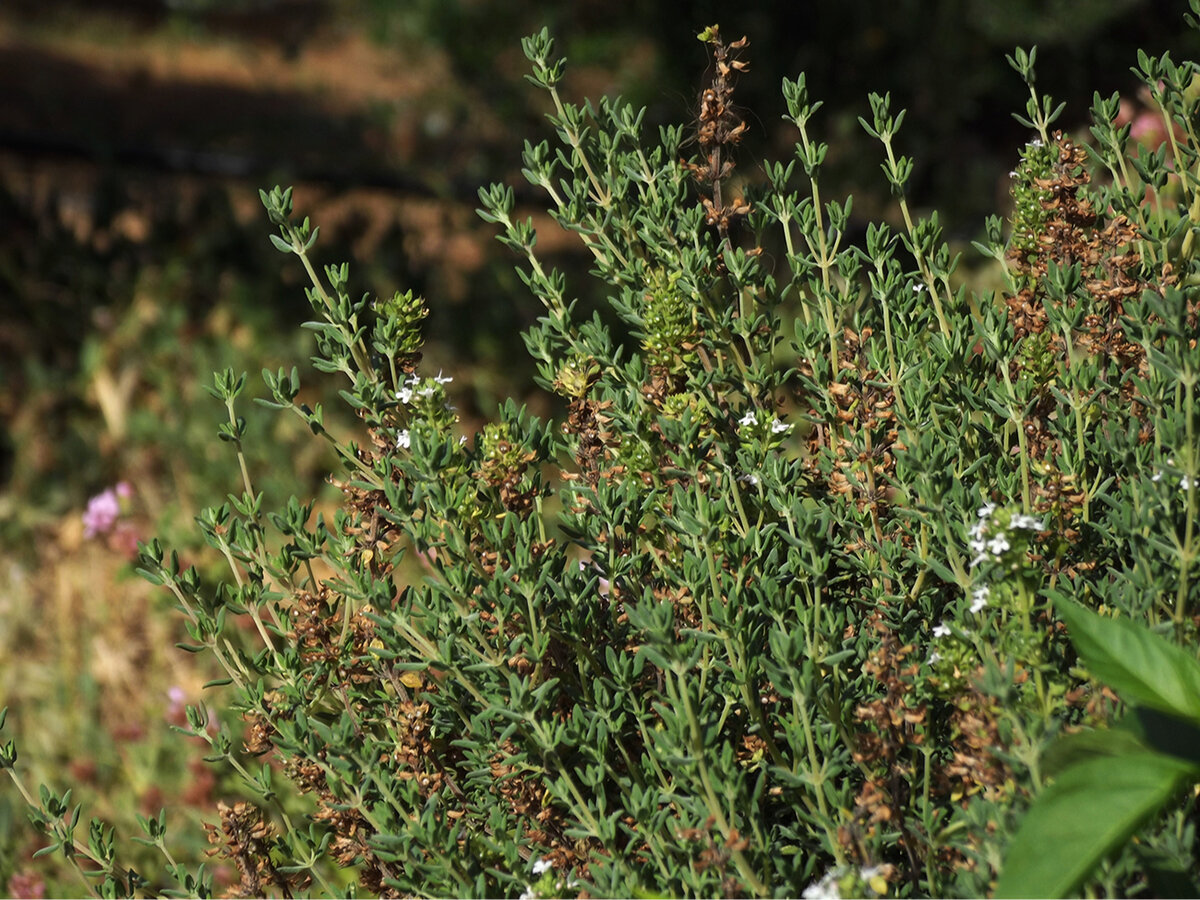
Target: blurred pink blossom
{"x": 177, "y": 711}
{"x": 26, "y": 884}
{"x": 102, "y": 513}
{"x": 103, "y": 518}
{"x": 124, "y": 540}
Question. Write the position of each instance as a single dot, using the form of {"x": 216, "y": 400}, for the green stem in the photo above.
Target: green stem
{"x": 714, "y": 807}
{"x": 1188, "y": 551}
{"x": 357, "y": 348}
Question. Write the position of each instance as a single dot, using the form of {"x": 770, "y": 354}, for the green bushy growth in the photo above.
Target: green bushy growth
{"x": 771, "y": 610}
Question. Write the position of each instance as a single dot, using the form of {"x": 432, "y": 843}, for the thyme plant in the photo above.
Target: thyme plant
{"x": 770, "y": 609}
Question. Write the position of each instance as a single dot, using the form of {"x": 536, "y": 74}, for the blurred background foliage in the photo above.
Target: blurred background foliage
{"x": 134, "y": 260}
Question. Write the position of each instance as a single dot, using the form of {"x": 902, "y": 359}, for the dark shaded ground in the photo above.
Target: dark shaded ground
{"x": 134, "y": 135}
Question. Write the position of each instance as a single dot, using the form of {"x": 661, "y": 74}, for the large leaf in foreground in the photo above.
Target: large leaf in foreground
{"x": 1138, "y": 664}
{"x": 1090, "y": 810}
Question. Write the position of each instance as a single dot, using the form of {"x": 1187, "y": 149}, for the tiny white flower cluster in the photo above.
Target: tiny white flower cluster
{"x": 540, "y": 867}
{"x": 986, "y": 542}
{"x": 979, "y": 598}
{"x": 416, "y": 386}
{"x": 750, "y": 419}
{"x": 827, "y": 887}
{"x": 1185, "y": 481}
{"x": 942, "y": 630}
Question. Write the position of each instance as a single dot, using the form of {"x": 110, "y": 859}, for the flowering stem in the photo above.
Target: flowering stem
{"x": 918, "y": 252}
{"x": 781, "y": 216}
{"x": 714, "y": 806}
{"x": 1017, "y": 422}
{"x": 816, "y": 772}
{"x": 1188, "y": 551}
{"x": 825, "y": 260}
{"x": 358, "y": 349}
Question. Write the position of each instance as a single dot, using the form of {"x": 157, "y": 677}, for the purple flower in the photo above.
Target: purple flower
{"x": 102, "y": 513}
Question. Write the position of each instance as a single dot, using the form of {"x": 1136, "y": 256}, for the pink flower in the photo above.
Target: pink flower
{"x": 176, "y": 711}
{"x": 26, "y": 884}
{"x": 124, "y": 540}
{"x": 1148, "y": 130}
{"x": 102, "y": 513}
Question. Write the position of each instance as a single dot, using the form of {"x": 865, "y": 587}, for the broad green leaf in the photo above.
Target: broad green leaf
{"x": 1143, "y": 730}
{"x": 1089, "y": 811}
{"x": 1071, "y": 749}
{"x": 1164, "y": 733}
{"x": 1138, "y": 664}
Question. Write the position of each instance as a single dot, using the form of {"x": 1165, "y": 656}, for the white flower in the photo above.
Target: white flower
{"x": 942, "y": 630}
{"x": 918, "y": 288}
{"x": 1157, "y": 476}
{"x": 542, "y": 865}
{"x": 528, "y": 894}
{"x": 825, "y": 889}
{"x": 777, "y": 427}
{"x": 751, "y": 480}
{"x": 748, "y": 418}
{"x": 933, "y": 657}
{"x": 997, "y": 545}
{"x": 404, "y": 440}
{"x": 1032, "y": 523}
{"x": 440, "y": 380}
{"x": 986, "y": 510}
{"x": 979, "y": 598}
{"x": 1185, "y": 482}
{"x": 404, "y": 395}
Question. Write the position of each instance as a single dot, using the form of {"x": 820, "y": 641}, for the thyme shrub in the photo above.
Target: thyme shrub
{"x": 771, "y": 608}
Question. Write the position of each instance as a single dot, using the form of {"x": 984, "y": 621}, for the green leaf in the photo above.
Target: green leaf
{"x": 1072, "y": 749}
{"x": 1092, "y": 808}
{"x": 281, "y": 245}
{"x": 1135, "y": 662}
{"x": 1166, "y": 734}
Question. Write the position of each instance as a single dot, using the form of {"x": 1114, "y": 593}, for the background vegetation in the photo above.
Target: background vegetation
{"x": 133, "y": 262}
